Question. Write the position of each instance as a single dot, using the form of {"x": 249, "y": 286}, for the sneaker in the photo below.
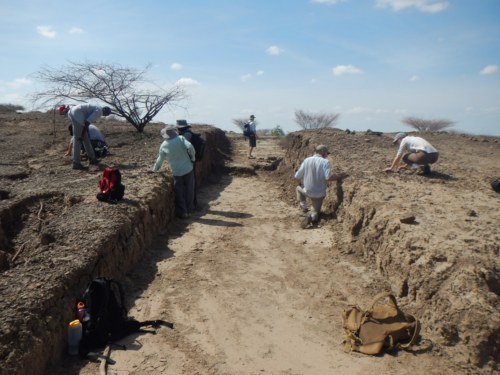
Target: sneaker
{"x": 305, "y": 222}
{"x": 426, "y": 170}
{"x": 78, "y": 166}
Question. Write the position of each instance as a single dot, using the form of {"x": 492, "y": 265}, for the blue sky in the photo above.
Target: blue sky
{"x": 372, "y": 61}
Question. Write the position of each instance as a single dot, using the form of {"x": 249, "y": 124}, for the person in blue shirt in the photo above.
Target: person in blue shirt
{"x": 81, "y": 116}
{"x": 180, "y": 155}
{"x": 315, "y": 172}
{"x": 97, "y": 141}
{"x": 252, "y": 137}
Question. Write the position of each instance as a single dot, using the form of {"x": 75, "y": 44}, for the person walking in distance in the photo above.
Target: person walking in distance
{"x": 315, "y": 172}
{"x": 415, "y": 152}
{"x": 81, "y": 116}
{"x": 252, "y": 136}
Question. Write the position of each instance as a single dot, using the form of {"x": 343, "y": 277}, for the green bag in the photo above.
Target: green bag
{"x": 383, "y": 327}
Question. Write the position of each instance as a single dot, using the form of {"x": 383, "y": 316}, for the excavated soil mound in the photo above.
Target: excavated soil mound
{"x": 54, "y": 234}
{"x": 442, "y": 265}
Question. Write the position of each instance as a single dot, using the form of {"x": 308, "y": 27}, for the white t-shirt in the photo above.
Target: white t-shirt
{"x": 315, "y": 172}
{"x": 413, "y": 144}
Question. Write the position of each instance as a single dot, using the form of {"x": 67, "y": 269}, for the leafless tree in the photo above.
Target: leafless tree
{"x": 309, "y": 120}
{"x": 240, "y": 122}
{"x": 123, "y": 89}
{"x": 427, "y": 125}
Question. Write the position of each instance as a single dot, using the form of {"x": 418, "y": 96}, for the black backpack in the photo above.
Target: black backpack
{"x": 495, "y": 185}
{"x": 199, "y": 145}
{"x": 246, "y": 130}
{"x": 110, "y": 186}
{"x": 105, "y": 318}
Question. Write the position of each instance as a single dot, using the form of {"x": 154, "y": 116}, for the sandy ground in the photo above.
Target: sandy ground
{"x": 249, "y": 292}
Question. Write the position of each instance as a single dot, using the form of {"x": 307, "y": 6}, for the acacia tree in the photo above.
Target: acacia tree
{"x": 310, "y": 120}
{"x": 423, "y": 125}
{"x": 123, "y": 89}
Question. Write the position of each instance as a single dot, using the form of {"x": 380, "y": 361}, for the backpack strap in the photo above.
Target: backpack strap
{"x": 120, "y": 290}
{"x": 381, "y": 296}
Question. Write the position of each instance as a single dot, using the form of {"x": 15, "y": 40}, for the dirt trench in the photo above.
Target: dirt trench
{"x": 248, "y": 290}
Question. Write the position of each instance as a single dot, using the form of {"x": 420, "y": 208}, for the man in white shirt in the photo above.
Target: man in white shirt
{"x": 415, "y": 152}
{"x": 315, "y": 172}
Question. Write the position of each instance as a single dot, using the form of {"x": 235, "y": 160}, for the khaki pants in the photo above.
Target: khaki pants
{"x": 316, "y": 203}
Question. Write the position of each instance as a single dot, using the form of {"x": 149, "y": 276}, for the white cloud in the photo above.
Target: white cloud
{"x": 187, "y": 82}
{"x": 359, "y": 110}
{"x": 274, "y": 50}
{"x": 489, "y": 69}
{"x": 76, "y": 31}
{"x": 259, "y": 73}
{"x": 176, "y": 66}
{"x": 341, "y": 70}
{"x": 17, "y": 83}
{"x": 246, "y": 77}
{"x": 427, "y": 6}
{"x": 46, "y": 31}
{"x": 414, "y": 78}
{"x": 328, "y": 2}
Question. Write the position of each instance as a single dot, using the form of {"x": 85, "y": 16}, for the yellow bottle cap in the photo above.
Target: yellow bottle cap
{"x": 74, "y": 323}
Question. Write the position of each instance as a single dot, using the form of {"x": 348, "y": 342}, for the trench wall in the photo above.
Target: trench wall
{"x": 37, "y": 303}
{"x": 443, "y": 267}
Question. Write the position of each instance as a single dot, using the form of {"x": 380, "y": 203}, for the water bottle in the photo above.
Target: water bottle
{"x": 74, "y": 336}
{"x": 81, "y": 310}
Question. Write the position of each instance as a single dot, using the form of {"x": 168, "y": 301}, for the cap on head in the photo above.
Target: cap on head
{"x": 322, "y": 149}
{"x": 252, "y": 117}
{"x": 62, "y": 109}
{"x": 398, "y": 136}
{"x": 106, "y": 111}
{"x": 169, "y": 131}
{"x": 182, "y": 124}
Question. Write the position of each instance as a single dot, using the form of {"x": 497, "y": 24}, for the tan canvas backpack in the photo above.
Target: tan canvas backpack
{"x": 382, "y": 327}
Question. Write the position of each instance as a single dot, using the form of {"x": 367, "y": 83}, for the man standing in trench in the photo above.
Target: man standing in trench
{"x": 315, "y": 171}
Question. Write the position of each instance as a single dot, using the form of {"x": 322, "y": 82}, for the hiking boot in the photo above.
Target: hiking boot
{"x": 78, "y": 166}
{"x": 305, "y": 222}
{"x": 94, "y": 162}
{"x": 426, "y": 170}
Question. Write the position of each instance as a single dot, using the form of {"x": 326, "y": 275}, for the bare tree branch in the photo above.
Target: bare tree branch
{"x": 427, "y": 125}
{"x": 309, "y": 120}
{"x": 121, "y": 88}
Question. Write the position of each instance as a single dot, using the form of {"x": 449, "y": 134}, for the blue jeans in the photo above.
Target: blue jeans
{"x": 184, "y": 193}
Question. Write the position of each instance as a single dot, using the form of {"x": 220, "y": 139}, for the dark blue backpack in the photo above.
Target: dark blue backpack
{"x": 198, "y": 144}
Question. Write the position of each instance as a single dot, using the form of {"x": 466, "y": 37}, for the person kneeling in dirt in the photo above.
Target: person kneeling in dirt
{"x": 97, "y": 140}
{"x": 81, "y": 116}
{"x": 315, "y": 172}
{"x": 180, "y": 154}
{"x": 420, "y": 153}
